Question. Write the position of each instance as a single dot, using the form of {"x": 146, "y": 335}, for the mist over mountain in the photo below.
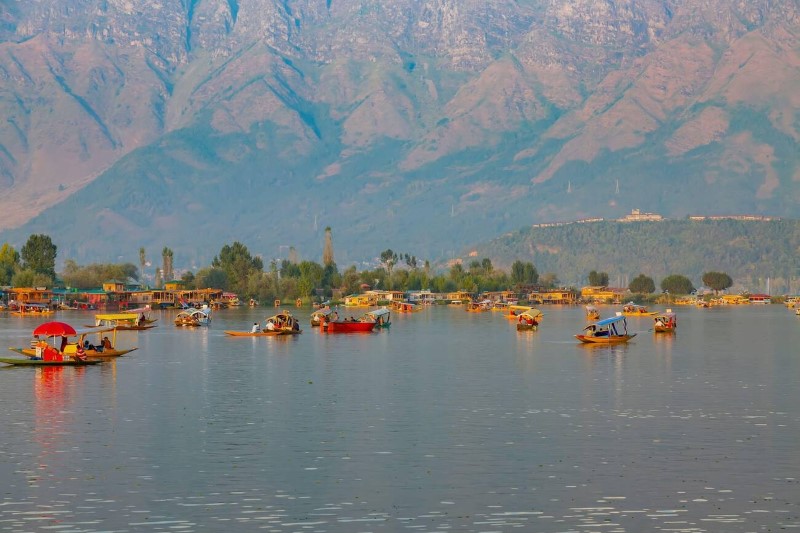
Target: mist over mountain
{"x": 417, "y": 125}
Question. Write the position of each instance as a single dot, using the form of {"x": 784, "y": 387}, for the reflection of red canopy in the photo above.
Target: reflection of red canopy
{"x": 54, "y": 329}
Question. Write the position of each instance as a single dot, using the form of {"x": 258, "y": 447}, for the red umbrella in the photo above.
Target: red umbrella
{"x": 55, "y": 329}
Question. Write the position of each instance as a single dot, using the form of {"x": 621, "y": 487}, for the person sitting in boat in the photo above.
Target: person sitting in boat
{"x": 256, "y": 328}
{"x": 659, "y": 323}
{"x": 51, "y": 354}
{"x": 142, "y": 319}
{"x": 270, "y": 325}
{"x": 39, "y": 349}
{"x": 106, "y": 344}
{"x": 35, "y": 342}
{"x": 80, "y": 354}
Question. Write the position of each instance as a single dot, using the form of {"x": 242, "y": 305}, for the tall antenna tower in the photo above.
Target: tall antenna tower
{"x": 569, "y": 187}
{"x": 617, "y": 191}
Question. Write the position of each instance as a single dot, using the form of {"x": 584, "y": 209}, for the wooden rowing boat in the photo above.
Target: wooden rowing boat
{"x": 30, "y": 352}
{"x": 610, "y": 339}
{"x": 40, "y": 362}
{"x": 347, "y": 326}
{"x": 612, "y": 330}
{"x": 262, "y": 333}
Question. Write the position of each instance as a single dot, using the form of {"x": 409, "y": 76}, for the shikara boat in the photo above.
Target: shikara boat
{"x": 382, "y": 317}
{"x": 349, "y": 326}
{"x": 665, "y": 322}
{"x": 18, "y": 361}
{"x": 592, "y": 313}
{"x": 612, "y": 330}
{"x": 193, "y": 318}
{"x": 145, "y": 315}
{"x": 96, "y": 343}
{"x": 121, "y": 321}
{"x": 281, "y": 324}
{"x": 32, "y": 309}
{"x": 479, "y": 307}
{"x": 319, "y": 316}
{"x": 515, "y": 310}
{"x": 405, "y": 307}
{"x": 529, "y": 320}
{"x": 260, "y": 333}
{"x": 632, "y": 309}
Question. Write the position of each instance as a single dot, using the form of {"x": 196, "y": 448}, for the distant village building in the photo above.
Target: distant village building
{"x": 637, "y": 216}
{"x": 599, "y": 294}
{"x": 554, "y": 296}
{"x": 424, "y": 296}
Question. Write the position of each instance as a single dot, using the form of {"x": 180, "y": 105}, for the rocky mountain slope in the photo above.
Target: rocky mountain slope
{"x": 419, "y": 125}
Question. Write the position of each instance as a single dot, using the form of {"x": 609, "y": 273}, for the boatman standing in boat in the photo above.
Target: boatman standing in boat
{"x": 256, "y": 328}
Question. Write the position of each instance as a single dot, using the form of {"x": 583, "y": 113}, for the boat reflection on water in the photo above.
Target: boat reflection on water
{"x": 53, "y": 390}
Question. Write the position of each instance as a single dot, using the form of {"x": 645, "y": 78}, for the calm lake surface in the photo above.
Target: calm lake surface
{"x": 449, "y": 421}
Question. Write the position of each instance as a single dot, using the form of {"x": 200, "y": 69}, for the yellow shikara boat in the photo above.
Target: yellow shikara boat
{"x": 478, "y": 307}
{"x": 121, "y": 321}
{"x": 529, "y": 320}
{"x": 632, "y": 309}
{"x": 32, "y": 310}
{"x": 515, "y": 310}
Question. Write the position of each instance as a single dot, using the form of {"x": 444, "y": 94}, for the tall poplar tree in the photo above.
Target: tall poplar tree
{"x": 327, "y": 251}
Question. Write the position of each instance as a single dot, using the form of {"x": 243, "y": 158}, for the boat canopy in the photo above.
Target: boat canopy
{"x": 609, "y": 321}
{"x": 532, "y": 313}
{"x": 322, "y": 312}
{"x": 378, "y": 313}
{"x": 117, "y": 316}
{"x": 81, "y": 332}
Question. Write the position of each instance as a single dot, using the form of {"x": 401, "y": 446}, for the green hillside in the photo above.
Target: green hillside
{"x": 749, "y": 251}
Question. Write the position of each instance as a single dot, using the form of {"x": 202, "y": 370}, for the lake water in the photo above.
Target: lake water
{"x": 449, "y": 421}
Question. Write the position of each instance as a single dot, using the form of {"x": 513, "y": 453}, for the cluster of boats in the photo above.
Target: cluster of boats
{"x": 68, "y": 346}
{"x": 97, "y": 342}
{"x": 614, "y": 329}
{"x": 326, "y": 318}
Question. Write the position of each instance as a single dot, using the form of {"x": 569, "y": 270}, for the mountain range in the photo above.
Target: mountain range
{"x": 418, "y": 125}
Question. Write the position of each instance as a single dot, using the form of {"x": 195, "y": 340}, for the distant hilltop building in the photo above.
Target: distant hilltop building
{"x": 551, "y": 224}
{"x": 733, "y": 217}
{"x": 637, "y": 216}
